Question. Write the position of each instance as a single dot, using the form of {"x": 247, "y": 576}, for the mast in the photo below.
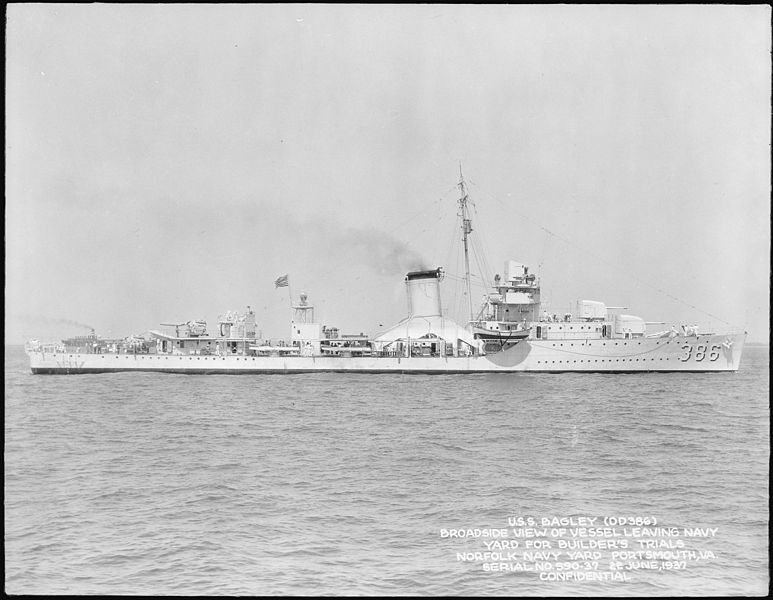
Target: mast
{"x": 466, "y": 230}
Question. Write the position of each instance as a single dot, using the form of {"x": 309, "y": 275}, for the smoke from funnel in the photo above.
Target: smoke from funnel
{"x": 383, "y": 253}
{"x": 53, "y": 321}
{"x": 379, "y": 251}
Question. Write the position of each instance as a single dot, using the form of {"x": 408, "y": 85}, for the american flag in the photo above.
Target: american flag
{"x": 281, "y": 282}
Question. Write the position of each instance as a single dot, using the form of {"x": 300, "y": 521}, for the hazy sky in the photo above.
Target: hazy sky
{"x": 168, "y": 162}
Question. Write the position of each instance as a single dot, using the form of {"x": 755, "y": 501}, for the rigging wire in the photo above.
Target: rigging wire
{"x": 483, "y": 282}
{"x": 459, "y": 291}
{"x": 484, "y": 250}
{"x": 480, "y": 261}
{"x": 447, "y": 257}
{"x": 452, "y": 243}
{"x": 420, "y": 212}
{"x": 617, "y": 267}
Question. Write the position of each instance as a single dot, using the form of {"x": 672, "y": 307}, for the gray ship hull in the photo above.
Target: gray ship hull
{"x": 704, "y": 353}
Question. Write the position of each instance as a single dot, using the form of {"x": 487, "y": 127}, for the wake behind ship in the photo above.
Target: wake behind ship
{"x": 511, "y": 332}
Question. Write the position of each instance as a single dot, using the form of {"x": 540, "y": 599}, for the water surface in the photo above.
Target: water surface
{"x": 142, "y": 483}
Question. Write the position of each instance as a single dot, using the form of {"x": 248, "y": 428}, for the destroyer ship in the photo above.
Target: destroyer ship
{"x": 511, "y": 332}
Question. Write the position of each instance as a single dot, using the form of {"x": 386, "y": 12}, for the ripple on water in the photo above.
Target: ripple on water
{"x": 338, "y": 484}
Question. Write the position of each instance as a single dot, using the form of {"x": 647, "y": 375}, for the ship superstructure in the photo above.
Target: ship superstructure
{"x": 234, "y": 335}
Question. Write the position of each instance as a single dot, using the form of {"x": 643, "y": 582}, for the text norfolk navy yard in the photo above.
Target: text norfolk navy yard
{"x": 510, "y": 332}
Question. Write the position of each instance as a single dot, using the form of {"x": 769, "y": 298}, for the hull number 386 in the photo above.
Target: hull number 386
{"x": 700, "y": 352}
